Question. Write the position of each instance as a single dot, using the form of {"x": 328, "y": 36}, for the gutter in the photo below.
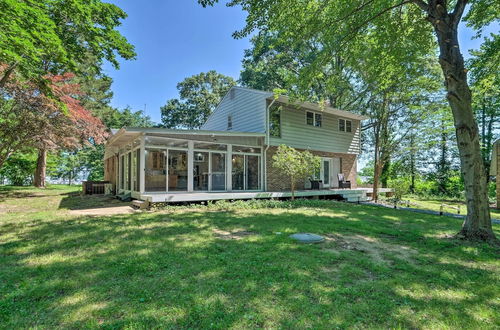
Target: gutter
{"x": 267, "y": 142}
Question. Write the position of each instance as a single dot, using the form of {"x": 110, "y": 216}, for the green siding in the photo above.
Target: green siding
{"x": 295, "y": 133}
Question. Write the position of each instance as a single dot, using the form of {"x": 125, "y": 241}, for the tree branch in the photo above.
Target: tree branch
{"x": 422, "y": 4}
{"x": 456, "y": 16}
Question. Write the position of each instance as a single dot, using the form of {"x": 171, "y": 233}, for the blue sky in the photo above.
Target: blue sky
{"x": 175, "y": 39}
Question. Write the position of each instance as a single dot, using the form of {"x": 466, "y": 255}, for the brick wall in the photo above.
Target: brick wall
{"x": 276, "y": 181}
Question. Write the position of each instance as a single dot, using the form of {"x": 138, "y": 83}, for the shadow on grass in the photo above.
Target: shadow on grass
{"x": 169, "y": 270}
{"x": 76, "y": 201}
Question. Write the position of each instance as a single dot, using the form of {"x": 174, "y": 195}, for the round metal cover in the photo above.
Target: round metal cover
{"x": 307, "y": 238}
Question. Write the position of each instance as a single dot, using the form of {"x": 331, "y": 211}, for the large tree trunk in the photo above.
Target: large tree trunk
{"x": 41, "y": 167}
{"x": 477, "y": 224}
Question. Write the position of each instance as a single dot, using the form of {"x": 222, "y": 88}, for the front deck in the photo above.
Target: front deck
{"x": 351, "y": 195}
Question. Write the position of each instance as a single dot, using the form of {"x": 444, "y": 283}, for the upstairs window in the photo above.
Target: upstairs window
{"x": 275, "y": 121}
{"x": 229, "y": 122}
{"x": 345, "y": 125}
{"x": 314, "y": 119}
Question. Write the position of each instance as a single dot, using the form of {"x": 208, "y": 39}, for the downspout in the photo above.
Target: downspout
{"x": 267, "y": 143}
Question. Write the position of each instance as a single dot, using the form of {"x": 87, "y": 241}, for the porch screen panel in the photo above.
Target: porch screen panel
{"x": 253, "y": 172}
{"x": 200, "y": 170}
{"x": 238, "y": 174}
{"x": 218, "y": 171}
{"x": 129, "y": 171}
{"x": 156, "y": 173}
{"x": 177, "y": 170}
{"x": 138, "y": 170}
{"x": 122, "y": 176}
{"x": 134, "y": 171}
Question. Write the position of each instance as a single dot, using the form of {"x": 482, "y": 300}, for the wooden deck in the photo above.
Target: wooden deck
{"x": 351, "y": 195}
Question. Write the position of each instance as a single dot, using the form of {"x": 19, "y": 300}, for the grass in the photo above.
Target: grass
{"x": 230, "y": 267}
{"x": 435, "y": 205}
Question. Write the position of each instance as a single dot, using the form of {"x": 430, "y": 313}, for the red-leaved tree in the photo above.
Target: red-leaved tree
{"x": 30, "y": 118}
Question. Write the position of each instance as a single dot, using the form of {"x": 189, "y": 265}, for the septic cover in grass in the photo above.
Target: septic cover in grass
{"x": 307, "y": 238}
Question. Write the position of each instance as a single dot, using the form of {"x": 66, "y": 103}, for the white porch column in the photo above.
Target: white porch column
{"x": 190, "y": 166}
{"x": 229, "y": 168}
{"x": 142, "y": 165}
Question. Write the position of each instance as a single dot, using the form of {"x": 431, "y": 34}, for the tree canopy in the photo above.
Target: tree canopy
{"x": 54, "y": 36}
{"x": 198, "y": 97}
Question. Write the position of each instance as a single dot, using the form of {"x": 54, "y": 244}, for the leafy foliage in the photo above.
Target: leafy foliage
{"x": 199, "y": 95}
{"x": 54, "y": 36}
{"x": 297, "y": 165}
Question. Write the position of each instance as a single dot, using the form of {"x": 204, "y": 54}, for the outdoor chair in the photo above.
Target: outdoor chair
{"x": 342, "y": 182}
{"x": 316, "y": 184}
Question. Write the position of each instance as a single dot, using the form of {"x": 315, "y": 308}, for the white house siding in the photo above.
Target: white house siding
{"x": 247, "y": 108}
{"x": 296, "y": 133}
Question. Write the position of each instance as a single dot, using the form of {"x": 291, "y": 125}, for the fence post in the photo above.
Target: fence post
{"x": 441, "y": 210}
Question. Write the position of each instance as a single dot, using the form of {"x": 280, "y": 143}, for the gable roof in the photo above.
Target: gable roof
{"x": 306, "y": 105}
{"x": 316, "y": 107}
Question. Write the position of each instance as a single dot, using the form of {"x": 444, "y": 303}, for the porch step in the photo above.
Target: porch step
{"x": 126, "y": 197}
{"x": 141, "y": 205}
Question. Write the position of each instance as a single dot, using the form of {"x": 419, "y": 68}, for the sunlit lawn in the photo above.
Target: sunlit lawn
{"x": 207, "y": 268}
{"x": 435, "y": 205}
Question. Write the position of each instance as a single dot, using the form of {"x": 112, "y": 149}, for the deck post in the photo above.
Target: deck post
{"x": 190, "y": 166}
{"x": 229, "y": 168}
{"x": 142, "y": 165}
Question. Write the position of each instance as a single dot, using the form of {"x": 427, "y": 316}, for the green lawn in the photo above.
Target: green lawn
{"x": 209, "y": 268}
{"x": 435, "y": 205}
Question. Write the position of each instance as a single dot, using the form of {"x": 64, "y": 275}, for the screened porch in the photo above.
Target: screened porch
{"x": 152, "y": 163}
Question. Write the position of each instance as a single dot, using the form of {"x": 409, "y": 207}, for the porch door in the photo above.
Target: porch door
{"x": 335, "y": 172}
{"x": 326, "y": 172}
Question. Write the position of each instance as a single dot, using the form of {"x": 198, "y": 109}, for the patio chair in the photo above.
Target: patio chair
{"x": 342, "y": 182}
{"x": 316, "y": 184}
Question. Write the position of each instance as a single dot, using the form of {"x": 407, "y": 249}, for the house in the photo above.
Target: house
{"x": 230, "y": 157}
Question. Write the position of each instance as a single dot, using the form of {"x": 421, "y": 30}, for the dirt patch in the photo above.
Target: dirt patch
{"x": 233, "y": 234}
{"x": 103, "y": 211}
{"x": 373, "y": 247}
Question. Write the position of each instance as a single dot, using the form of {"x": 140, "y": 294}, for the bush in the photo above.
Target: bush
{"x": 226, "y": 205}
{"x": 19, "y": 169}
{"x": 401, "y": 187}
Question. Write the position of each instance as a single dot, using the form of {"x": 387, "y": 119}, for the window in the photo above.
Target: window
{"x": 317, "y": 119}
{"x": 229, "y": 122}
{"x": 275, "y": 121}
{"x": 310, "y": 118}
{"x": 314, "y": 119}
{"x": 345, "y": 125}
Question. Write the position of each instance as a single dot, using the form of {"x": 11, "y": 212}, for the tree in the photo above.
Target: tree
{"x": 199, "y": 95}
{"x": 485, "y": 83}
{"x": 29, "y": 118}
{"x": 412, "y": 23}
{"x": 53, "y": 36}
{"x": 270, "y": 65}
{"x": 295, "y": 164}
